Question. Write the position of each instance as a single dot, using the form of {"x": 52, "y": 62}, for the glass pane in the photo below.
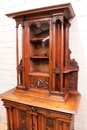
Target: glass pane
{"x": 39, "y": 47}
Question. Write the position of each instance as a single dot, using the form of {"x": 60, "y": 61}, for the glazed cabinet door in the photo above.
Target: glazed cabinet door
{"x": 38, "y": 52}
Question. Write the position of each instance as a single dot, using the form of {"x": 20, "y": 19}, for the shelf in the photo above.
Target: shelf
{"x": 39, "y": 74}
{"x": 39, "y": 40}
{"x": 36, "y": 39}
{"x": 70, "y": 70}
{"x": 42, "y": 57}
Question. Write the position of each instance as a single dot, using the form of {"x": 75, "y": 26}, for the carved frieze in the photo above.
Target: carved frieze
{"x": 35, "y": 109}
{"x": 32, "y": 109}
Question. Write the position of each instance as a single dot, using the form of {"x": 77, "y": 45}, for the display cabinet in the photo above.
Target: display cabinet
{"x": 46, "y": 96}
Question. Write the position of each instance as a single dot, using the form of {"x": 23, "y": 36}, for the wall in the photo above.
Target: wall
{"x": 78, "y": 46}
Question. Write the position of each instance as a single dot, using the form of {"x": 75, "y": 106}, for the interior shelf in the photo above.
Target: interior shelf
{"x": 43, "y": 57}
{"x": 36, "y": 39}
{"x": 39, "y": 74}
{"x": 69, "y": 70}
{"x": 33, "y": 40}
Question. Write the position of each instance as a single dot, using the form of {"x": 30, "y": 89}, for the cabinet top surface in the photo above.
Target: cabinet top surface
{"x": 65, "y": 9}
{"x": 70, "y": 106}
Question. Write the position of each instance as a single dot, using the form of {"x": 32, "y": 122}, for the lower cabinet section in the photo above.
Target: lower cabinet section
{"x": 26, "y": 117}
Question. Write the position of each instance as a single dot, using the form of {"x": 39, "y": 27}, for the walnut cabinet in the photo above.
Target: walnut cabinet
{"x": 46, "y": 96}
{"x": 26, "y": 117}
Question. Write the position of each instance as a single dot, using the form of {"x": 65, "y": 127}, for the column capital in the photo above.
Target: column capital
{"x": 54, "y": 20}
{"x": 19, "y": 23}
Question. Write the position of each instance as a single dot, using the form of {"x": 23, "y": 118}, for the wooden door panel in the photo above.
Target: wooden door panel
{"x": 49, "y": 123}
{"x": 29, "y": 122}
{"x": 62, "y": 125}
{"x": 25, "y": 120}
{"x": 15, "y": 118}
{"x": 35, "y": 120}
{"x": 41, "y": 122}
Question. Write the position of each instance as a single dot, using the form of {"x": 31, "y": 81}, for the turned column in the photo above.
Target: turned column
{"x": 20, "y": 62}
{"x": 9, "y": 118}
{"x": 53, "y": 53}
{"x": 17, "y": 52}
{"x": 61, "y": 54}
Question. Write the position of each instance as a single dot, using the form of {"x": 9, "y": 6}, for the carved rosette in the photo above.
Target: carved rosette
{"x": 40, "y": 83}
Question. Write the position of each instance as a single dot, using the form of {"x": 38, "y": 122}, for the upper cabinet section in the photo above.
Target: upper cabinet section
{"x": 44, "y": 66}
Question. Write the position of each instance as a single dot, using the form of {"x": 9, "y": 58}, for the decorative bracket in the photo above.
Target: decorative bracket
{"x": 20, "y": 68}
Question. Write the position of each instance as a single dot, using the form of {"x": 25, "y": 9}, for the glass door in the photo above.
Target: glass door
{"x": 39, "y": 54}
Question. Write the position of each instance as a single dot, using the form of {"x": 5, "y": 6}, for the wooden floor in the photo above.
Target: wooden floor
{"x": 3, "y": 126}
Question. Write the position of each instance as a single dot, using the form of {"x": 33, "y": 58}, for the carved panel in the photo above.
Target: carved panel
{"x": 49, "y": 123}
{"x": 73, "y": 81}
{"x": 23, "y": 120}
{"x": 67, "y": 125}
{"x": 40, "y": 83}
{"x": 60, "y": 124}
